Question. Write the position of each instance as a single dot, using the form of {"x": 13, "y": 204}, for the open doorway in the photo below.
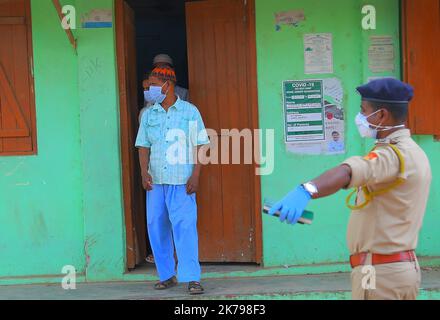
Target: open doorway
{"x": 212, "y": 43}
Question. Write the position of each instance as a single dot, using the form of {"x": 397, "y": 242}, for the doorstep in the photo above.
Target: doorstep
{"x": 328, "y": 286}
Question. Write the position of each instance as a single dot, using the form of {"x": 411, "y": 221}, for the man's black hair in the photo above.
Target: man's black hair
{"x": 335, "y": 132}
{"x": 399, "y": 111}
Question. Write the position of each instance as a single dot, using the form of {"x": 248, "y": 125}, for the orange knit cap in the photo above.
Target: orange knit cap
{"x": 164, "y": 73}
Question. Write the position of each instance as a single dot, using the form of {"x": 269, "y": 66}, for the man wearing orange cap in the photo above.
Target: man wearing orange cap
{"x": 171, "y": 180}
{"x": 164, "y": 60}
{"x": 161, "y": 60}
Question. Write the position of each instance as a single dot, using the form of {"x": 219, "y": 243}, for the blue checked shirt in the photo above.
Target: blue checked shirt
{"x": 171, "y": 137}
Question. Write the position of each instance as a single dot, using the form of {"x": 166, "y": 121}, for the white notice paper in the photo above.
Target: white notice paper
{"x": 381, "y": 54}
{"x": 318, "y": 53}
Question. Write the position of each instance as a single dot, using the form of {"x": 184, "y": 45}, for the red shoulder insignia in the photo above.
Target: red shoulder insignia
{"x": 371, "y": 156}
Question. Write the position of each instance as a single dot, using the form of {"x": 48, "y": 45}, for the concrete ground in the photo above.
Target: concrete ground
{"x": 320, "y": 286}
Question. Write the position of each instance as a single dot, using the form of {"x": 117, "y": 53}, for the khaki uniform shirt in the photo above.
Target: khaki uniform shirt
{"x": 391, "y": 222}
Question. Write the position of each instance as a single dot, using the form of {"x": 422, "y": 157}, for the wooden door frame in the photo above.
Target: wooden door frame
{"x": 125, "y": 150}
{"x": 253, "y": 94}
{"x": 404, "y": 52}
{"x": 126, "y": 170}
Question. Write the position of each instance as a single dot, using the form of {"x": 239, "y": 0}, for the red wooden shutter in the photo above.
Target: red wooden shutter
{"x": 17, "y": 110}
{"x": 421, "y": 60}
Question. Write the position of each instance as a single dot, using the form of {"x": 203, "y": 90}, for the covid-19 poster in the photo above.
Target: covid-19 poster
{"x": 314, "y": 116}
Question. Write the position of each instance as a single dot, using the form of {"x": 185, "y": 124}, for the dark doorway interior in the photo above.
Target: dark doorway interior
{"x": 160, "y": 28}
{"x": 196, "y": 34}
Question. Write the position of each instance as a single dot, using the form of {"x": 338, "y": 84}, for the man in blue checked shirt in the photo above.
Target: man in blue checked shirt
{"x": 170, "y": 133}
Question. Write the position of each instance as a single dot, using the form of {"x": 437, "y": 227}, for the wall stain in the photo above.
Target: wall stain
{"x": 89, "y": 242}
{"x": 10, "y": 173}
{"x": 38, "y": 229}
{"x": 23, "y": 184}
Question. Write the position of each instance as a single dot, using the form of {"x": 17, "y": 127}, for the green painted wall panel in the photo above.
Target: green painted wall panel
{"x": 324, "y": 241}
{"x": 100, "y": 148}
{"x": 41, "y": 225}
{"x": 64, "y": 206}
{"x": 280, "y": 57}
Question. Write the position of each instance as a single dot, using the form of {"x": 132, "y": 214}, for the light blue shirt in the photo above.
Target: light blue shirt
{"x": 335, "y": 146}
{"x": 171, "y": 137}
{"x": 182, "y": 93}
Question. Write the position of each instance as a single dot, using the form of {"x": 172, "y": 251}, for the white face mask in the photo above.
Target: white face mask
{"x": 368, "y": 130}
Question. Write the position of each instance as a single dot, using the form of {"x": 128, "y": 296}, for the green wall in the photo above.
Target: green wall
{"x": 280, "y": 57}
{"x": 100, "y": 148}
{"x": 41, "y": 226}
{"x": 64, "y": 205}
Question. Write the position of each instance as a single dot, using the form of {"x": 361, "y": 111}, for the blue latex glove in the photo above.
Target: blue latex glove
{"x": 291, "y": 207}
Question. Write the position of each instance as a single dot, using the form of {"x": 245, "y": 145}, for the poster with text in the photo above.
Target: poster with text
{"x": 314, "y": 116}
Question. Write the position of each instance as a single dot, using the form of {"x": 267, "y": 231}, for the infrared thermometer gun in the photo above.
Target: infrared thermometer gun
{"x": 306, "y": 218}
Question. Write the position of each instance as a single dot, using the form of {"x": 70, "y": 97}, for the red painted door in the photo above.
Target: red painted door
{"x": 421, "y": 56}
{"x": 219, "y": 85}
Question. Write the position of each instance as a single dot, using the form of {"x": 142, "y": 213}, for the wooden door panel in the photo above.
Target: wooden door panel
{"x": 210, "y": 210}
{"x": 237, "y": 214}
{"x": 204, "y": 94}
{"x": 421, "y": 54}
{"x": 12, "y": 8}
{"x": 218, "y": 76}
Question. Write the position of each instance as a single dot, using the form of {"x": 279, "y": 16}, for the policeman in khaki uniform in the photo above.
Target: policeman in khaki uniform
{"x": 391, "y": 187}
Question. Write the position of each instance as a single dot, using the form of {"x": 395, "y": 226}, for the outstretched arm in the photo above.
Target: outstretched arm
{"x": 293, "y": 204}
{"x": 332, "y": 181}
